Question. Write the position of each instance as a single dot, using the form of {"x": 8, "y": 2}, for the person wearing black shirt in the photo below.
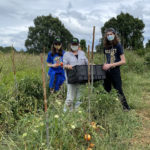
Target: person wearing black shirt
{"x": 115, "y": 57}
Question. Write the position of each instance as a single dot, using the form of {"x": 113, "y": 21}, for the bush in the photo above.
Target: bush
{"x": 141, "y": 52}
{"x": 6, "y": 114}
{"x": 28, "y": 96}
{"x": 147, "y": 59}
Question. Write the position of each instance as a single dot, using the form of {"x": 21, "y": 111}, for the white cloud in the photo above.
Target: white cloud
{"x": 78, "y": 16}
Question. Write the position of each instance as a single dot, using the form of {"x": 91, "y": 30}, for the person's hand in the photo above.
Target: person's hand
{"x": 107, "y": 66}
{"x": 55, "y": 65}
{"x": 61, "y": 64}
{"x": 68, "y": 67}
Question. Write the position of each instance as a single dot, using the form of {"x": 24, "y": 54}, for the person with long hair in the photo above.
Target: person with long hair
{"x": 115, "y": 57}
{"x": 55, "y": 64}
{"x": 72, "y": 58}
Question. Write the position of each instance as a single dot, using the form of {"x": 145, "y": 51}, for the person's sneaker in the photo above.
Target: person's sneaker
{"x": 126, "y": 109}
{"x": 65, "y": 108}
{"x": 78, "y": 103}
{"x": 51, "y": 91}
{"x": 68, "y": 108}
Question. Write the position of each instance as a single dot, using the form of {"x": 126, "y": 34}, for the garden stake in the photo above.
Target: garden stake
{"x": 89, "y": 91}
{"x": 45, "y": 100}
{"x": 45, "y": 65}
{"x": 13, "y": 66}
{"x": 92, "y": 58}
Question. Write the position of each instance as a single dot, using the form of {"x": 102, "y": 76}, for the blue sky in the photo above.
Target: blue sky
{"x": 78, "y": 16}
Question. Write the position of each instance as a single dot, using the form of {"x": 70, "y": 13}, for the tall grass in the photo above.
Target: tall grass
{"x": 22, "y": 119}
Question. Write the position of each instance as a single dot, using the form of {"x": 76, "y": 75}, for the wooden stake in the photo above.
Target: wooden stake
{"x": 89, "y": 91}
{"x": 45, "y": 66}
{"x": 88, "y": 64}
{"x": 13, "y": 61}
{"x": 93, "y": 41}
{"x": 13, "y": 67}
{"x": 45, "y": 100}
{"x": 44, "y": 85}
{"x": 92, "y": 62}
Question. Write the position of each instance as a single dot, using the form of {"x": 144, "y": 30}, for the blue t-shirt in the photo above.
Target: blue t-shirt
{"x": 113, "y": 53}
{"x": 53, "y": 60}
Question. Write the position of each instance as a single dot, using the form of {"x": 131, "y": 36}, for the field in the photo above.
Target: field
{"x": 22, "y": 117}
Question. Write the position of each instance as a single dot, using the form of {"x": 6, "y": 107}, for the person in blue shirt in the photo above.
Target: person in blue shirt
{"x": 55, "y": 64}
{"x": 115, "y": 57}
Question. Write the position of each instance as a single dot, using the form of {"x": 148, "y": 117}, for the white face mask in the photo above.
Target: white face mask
{"x": 74, "y": 48}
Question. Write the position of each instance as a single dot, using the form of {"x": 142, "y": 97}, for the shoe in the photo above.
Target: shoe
{"x": 126, "y": 109}
{"x": 52, "y": 91}
{"x": 68, "y": 108}
{"x": 65, "y": 109}
{"x": 78, "y": 103}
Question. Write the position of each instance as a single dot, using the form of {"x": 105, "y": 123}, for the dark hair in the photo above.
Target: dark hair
{"x": 53, "y": 49}
{"x": 108, "y": 44}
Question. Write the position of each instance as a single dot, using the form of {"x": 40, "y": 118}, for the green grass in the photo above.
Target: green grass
{"x": 22, "y": 119}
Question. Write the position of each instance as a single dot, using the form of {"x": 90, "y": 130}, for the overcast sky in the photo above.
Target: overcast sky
{"x": 78, "y": 16}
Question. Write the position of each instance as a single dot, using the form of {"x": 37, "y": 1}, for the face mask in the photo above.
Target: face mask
{"x": 74, "y": 48}
{"x": 110, "y": 37}
{"x": 57, "y": 46}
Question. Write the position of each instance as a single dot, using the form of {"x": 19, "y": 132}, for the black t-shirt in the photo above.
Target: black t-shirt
{"x": 76, "y": 56}
{"x": 113, "y": 53}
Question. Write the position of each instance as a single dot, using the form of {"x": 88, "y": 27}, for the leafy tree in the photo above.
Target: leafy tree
{"x": 130, "y": 30}
{"x": 148, "y": 44}
{"x": 45, "y": 30}
{"x": 83, "y": 45}
{"x": 99, "y": 47}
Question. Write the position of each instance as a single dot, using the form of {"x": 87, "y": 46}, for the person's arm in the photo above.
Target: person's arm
{"x": 112, "y": 65}
{"x": 52, "y": 65}
{"x": 84, "y": 57}
{"x": 65, "y": 62}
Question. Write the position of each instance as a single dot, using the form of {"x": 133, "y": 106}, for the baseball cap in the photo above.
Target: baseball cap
{"x": 57, "y": 40}
{"x": 110, "y": 30}
{"x": 75, "y": 41}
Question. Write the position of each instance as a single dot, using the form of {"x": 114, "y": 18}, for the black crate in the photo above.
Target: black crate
{"x": 79, "y": 74}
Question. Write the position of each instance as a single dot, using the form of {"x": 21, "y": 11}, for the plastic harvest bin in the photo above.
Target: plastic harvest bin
{"x": 79, "y": 74}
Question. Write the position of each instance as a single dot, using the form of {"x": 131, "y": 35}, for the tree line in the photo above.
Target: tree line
{"x": 47, "y": 28}
{"x": 6, "y": 49}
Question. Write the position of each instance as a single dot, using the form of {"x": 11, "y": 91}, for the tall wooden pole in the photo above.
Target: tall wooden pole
{"x": 92, "y": 62}
{"x": 89, "y": 90}
{"x": 45, "y": 65}
{"x": 44, "y": 85}
{"x": 45, "y": 100}
{"x": 13, "y": 66}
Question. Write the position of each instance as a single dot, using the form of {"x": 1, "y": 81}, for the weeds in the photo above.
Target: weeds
{"x": 22, "y": 119}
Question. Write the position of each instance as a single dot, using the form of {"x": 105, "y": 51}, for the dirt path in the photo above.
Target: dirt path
{"x": 141, "y": 140}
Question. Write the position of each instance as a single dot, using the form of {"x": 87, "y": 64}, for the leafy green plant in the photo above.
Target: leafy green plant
{"x": 28, "y": 97}
{"x": 147, "y": 59}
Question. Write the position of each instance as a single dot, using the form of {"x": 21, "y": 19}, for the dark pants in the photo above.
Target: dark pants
{"x": 113, "y": 77}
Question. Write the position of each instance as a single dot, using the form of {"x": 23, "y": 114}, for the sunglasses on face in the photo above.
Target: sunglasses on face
{"x": 57, "y": 44}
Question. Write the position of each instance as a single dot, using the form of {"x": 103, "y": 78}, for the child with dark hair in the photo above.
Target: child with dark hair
{"x": 55, "y": 64}
{"x": 115, "y": 58}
